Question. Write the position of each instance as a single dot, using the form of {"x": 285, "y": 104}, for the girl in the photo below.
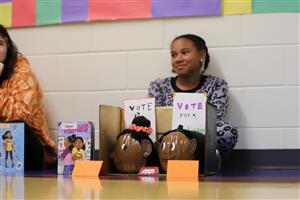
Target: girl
{"x": 190, "y": 59}
{"x": 78, "y": 149}
{"x": 67, "y": 155}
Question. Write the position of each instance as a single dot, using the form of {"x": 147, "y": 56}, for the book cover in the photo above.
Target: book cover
{"x": 75, "y": 142}
{"x": 12, "y": 147}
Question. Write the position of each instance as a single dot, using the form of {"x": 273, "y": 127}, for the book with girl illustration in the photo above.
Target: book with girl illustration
{"x": 75, "y": 142}
{"x": 12, "y": 147}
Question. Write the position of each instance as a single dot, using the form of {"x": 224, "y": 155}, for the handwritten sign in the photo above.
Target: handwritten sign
{"x": 140, "y": 107}
{"x": 189, "y": 110}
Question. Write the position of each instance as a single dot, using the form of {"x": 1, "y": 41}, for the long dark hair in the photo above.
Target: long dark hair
{"x": 71, "y": 139}
{"x": 4, "y": 136}
{"x": 199, "y": 43}
{"x": 11, "y": 57}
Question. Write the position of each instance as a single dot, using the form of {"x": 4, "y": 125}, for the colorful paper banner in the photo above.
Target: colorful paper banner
{"x": 16, "y": 13}
{"x": 48, "y": 12}
{"x": 73, "y": 11}
{"x": 231, "y": 7}
{"x": 5, "y": 14}
{"x": 23, "y": 13}
{"x": 167, "y": 8}
{"x": 269, "y": 6}
{"x": 108, "y": 10}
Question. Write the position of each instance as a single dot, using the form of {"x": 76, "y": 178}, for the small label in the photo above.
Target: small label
{"x": 148, "y": 171}
{"x": 69, "y": 125}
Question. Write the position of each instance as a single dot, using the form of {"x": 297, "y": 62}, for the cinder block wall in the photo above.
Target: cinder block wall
{"x": 82, "y": 65}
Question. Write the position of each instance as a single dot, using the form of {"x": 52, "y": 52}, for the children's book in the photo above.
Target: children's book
{"x": 140, "y": 107}
{"x": 75, "y": 142}
{"x": 12, "y": 147}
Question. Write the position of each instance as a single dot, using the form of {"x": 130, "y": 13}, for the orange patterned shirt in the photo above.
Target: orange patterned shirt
{"x": 21, "y": 99}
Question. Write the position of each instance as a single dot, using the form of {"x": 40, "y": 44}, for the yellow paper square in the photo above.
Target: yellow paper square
{"x": 231, "y": 7}
{"x": 5, "y": 14}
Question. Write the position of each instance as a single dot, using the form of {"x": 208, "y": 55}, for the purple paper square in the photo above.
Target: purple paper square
{"x": 167, "y": 8}
{"x": 5, "y": 1}
{"x": 74, "y": 10}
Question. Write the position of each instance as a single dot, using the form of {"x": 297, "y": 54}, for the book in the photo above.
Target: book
{"x": 75, "y": 141}
{"x": 12, "y": 147}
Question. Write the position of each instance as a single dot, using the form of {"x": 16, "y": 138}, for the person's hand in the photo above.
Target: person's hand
{"x": 1, "y": 67}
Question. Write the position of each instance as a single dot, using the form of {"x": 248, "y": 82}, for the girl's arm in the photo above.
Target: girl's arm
{"x": 219, "y": 98}
{"x": 13, "y": 146}
{"x": 17, "y": 97}
{"x": 4, "y": 145}
{"x": 64, "y": 154}
{"x": 156, "y": 90}
{"x": 74, "y": 154}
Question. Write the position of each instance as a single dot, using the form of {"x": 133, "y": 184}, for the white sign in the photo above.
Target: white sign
{"x": 140, "y": 107}
{"x": 189, "y": 110}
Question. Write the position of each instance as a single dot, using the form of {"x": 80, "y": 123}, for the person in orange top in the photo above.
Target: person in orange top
{"x": 21, "y": 99}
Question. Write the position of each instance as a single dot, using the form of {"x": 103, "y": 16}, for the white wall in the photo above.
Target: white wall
{"x": 83, "y": 65}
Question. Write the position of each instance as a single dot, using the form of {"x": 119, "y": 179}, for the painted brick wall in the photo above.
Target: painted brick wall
{"x": 83, "y": 65}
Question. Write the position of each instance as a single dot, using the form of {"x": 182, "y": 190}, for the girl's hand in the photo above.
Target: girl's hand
{"x": 1, "y": 67}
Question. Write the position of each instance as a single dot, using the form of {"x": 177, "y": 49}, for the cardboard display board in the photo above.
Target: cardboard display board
{"x": 163, "y": 120}
{"x": 210, "y": 165}
{"x": 111, "y": 124}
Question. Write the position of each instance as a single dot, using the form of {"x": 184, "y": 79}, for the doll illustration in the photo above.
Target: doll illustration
{"x": 9, "y": 147}
{"x": 78, "y": 149}
{"x": 67, "y": 154}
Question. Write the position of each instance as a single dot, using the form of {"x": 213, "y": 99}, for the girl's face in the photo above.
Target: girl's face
{"x": 3, "y": 49}
{"x": 67, "y": 143}
{"x": 78, "y": 144}
{"x": 8, "y": 135}
{"x": 185, "y": 57}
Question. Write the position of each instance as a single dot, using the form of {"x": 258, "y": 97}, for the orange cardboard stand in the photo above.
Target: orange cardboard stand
{"x": 87, "y": 168}
{"x": 183, "y": 169}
